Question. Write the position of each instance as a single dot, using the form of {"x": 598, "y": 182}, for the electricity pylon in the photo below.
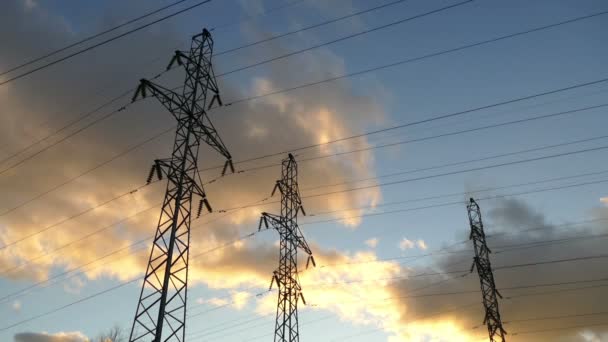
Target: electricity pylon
{"x": 161, "y": 312}
{"x": 482, "y": 262}
{"x": 291, "y": 238}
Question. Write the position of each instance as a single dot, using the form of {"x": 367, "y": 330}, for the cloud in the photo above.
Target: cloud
{"x": 457, "y": 314}
{"x": 289, "y": 120}
{"x": 46, "y": 337}
{"x": 372, "y": 243}
{"x": 282, "y": 122}
{"x": 406, "y": 244}
{"x": 16, "y": 306}
{"x": 421, "y": 244}
{"x": 363, "y": 290}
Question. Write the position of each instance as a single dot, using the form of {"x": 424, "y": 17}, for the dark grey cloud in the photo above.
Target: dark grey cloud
{"x": 514, "y": 217}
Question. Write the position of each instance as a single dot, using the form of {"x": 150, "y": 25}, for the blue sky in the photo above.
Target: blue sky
{"x": 534, "y": 63}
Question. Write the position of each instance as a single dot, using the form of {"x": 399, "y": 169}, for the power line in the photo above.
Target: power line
{"x": 331, "y": 21}
{"x": 371, "y": 331}
{"x": 139, "y": 28}
{"x": 556, "y": 317}
{"x": 403, "y": 142}
{"x": 462, "y": 271}
{"x": 583, "y": 258}
{"x": 393, "y": 24}
{"x": 342, "y": 39}
{"x": 136, "y": 146}
{"x": 68, "y": 125}
{"x": 475, "y": 303}
{"x": 81, "y": 267}
{"x": 246, "y": 99}
{"x": 84, "y": 40}
{"x": 420, "y": 199}
{"x": 96, "y": 167}
{"x": 410, "y": 295}
{"x": 454, "y": 203}
{"x": 220, "y": 75}
{"x": 507, "y": 248}
{"x": 39, "y": 152}
{"x": 415, "y": 123}
{"x": 28, "y": 236}
{"x": 492, "y": 166}
{"x": 457, "y": 133}
{"x": 259, "y": 14}
{"x": 329, "y": 265}
{"x": 363, "y": 134}
{"x": 97, "y": 294}
{"x": 538, "y": 331}
{"x": 87, "y": 235}
{"x": 129, "y": 91}
{"x": 213, "y": 332}
{"x": 73, "y": 242}
{"x": 406, "y": 61}
{"x": 307, "y": 223}
{"x": 263, "y": 200}
{"x": 453, "y": 194}
{"x": 358, "y": 150}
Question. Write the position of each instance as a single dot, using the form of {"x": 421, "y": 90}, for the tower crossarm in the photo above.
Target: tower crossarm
{"x": 206, "y": 130}
{"x": 172, "y": 101}
{"x": 201, "y": 125}
{"x": 293, "y": 233}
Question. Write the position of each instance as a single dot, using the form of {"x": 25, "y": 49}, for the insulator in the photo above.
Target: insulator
{"x": 200, "y": 209}
{"x": 151, "y": 174}
{"x": 159, "y": 172}
{"x": 207, "y": 205}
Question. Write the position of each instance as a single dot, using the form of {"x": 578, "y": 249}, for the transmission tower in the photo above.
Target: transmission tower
{"x": 291, "y": 238}
{"x": 482, "y": 262}
{"x": 161, "y": 312}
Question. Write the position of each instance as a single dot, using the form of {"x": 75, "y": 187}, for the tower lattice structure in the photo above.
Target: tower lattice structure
{"x": 481, "y": 261}
{"x": 161, "y": 311}
{"x": 291, "y": 239}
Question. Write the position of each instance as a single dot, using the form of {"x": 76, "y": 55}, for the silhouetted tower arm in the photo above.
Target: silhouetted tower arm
{"x": 481, "y": 262}
{"x": 291, "y": 239}
{"x": 178, "y": 105}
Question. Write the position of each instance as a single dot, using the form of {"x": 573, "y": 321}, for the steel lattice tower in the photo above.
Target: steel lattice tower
{"x": 161, "y": 312}
{"x": 291, "y": 238}
{"x": 486, "y": 277}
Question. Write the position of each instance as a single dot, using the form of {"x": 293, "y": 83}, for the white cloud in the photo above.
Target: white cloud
{"x": 372, "y": 243}
{"x": 410, "y": 244}
{"x": 74, "y": 285}
{"x": 406, "y": 244}
{"x": 16, "y": 306}
{"x": 421, "y": 244}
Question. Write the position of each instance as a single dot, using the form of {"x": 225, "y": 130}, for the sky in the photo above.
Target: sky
{"x": 387, "y": 219}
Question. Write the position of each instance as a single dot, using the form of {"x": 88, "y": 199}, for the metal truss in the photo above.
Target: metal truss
{"x": 291, "y": 239}
{"x": 482, "y": 262}
{"x": 161, "y": 311}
